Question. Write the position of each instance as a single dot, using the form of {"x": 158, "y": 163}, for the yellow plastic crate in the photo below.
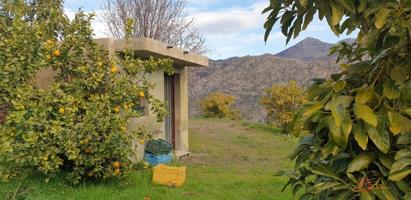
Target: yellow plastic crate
{"x": 170, "y": 176}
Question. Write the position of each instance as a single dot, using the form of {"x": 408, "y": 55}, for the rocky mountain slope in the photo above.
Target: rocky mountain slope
{"x": 247, "y": 77}
{"x": 308, "y": 49}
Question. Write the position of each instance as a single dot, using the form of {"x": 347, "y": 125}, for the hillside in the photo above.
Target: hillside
{"x": 247, "y": 77}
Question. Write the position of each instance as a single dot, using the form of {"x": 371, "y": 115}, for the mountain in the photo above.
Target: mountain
{"x": 308, "y": 49}
{"x": 247, "y": 77}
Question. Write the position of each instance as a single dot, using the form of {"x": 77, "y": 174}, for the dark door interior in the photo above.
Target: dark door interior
{"x": 169, "y": 94}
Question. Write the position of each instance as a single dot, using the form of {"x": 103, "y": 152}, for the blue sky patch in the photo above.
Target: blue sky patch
{"x": 231, "y": 27}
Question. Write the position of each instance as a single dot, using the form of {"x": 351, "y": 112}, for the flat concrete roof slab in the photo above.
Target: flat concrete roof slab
{"x": 146, "y": 47}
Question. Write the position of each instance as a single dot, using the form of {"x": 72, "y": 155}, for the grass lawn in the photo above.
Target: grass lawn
{"x": 230, "y": 161}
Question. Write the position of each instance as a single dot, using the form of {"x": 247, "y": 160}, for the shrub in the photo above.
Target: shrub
{"x": 358, "y": 144}
{"x": 219, "y": 105}
{"x": 78, "y": 125}
{"x": 280, "y": 102}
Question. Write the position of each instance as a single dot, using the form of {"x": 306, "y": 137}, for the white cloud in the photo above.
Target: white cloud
{"x": 231, "y": 20}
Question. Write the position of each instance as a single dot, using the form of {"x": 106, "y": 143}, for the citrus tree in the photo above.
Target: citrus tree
{"x": 78, "y": 125}
{"x": 357, "y": 143}
{"x": 219, "y": 105}
{"x": 280, "y": 101}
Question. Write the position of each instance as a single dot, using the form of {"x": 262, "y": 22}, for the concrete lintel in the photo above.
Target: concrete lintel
{"x": 146, "y": 47}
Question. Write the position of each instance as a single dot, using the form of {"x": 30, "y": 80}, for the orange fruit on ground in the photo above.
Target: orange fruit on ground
{"x": 117, "y": 109}
{"x": 116, "y": 164}
{"x": 49, "y": 42}
{"x": 117, "y": 171}
{"x": 141, "y": 141}
{"x": 61, "y": 110}
{"x": 56, "y": 52}
{"x": 141, "y": 94}
{"x": 114, "y": 69}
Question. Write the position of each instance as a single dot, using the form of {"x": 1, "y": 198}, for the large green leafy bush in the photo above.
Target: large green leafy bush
{"x": 357, "y": 143}
{"x": 79, "y": 124}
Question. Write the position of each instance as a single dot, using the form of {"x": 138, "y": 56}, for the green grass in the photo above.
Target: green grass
{"x": 230, "y": 160}
{"x": 263, "y": 127}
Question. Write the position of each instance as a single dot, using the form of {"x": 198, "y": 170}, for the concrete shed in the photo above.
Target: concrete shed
{"x": 170, "y": 88}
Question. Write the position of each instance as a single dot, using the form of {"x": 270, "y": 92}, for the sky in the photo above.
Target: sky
{"x": 230, "y": 27}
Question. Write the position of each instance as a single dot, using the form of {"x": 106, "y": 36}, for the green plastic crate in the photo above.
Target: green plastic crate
{"x": 158, "y": 147}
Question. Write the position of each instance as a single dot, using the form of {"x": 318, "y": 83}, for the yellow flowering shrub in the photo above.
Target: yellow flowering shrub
{"x": 280, "y": 102}
{"x": 219, "y": 105}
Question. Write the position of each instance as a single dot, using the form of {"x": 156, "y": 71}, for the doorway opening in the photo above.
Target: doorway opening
{"x": 170, "y": 91}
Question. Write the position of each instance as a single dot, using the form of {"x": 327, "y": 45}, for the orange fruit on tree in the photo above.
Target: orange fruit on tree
{"x": 116, "y": 164}
{"x": 56, "y": 52}
{"x": 117, "y": 109}
{"x": 61, "y": 110}
{"x": 114, "y": 69}
{"x": 117, "y": 171}
{"x": 48, "y": 57}
{"x": 49, "y": 42}
{"x": 141, "y": 141}
{"x": 141, "y": 94}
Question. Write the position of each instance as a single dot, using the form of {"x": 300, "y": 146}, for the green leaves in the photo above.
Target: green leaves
{"x": 340, "y": 124}
{"x": 381, "y": 17}
{"x": 402, "y": 165}
{"x": 311, "y": 109}
{"x": 398, "y": 123}
{"x": 380, "y": 138}
{"x": 364, "y": 95}
{"x": 391, "y": 91}
{"x": 336, "y": 13}
{"x": 376, "y": 74}
{"x": 362, "y": 6}
{"x": 339, "y": 85}
{"x": 303, "y": 3}
{"x": 340, "y": 133}
{"x": 360, "y": 162}
{"x": 399, "y": 175}
{"x": 365, "y": 113}
{"x": 399, "y": 74}
{"x": 361, "y": 135}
